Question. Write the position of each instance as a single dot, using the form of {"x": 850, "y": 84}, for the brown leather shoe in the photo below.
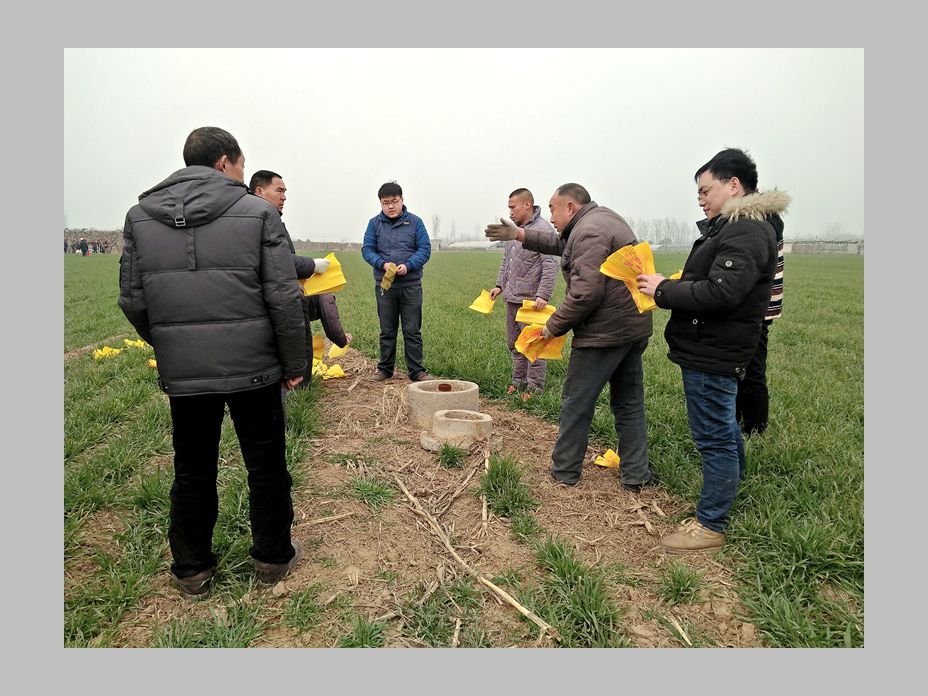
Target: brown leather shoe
{"x": 379, "y": 376}
{"x": 196, "y": 587}
{"x": 692, "y": 536}
{"x": 421, "y": 377}
{"x": 269, "y": 574}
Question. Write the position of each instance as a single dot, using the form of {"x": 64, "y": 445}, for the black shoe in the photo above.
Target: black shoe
{"x": 269, "y": 574}
{"x": 636, "y": 487}
{"x": 196, "y": 587}
{"x": 564, "y": 483}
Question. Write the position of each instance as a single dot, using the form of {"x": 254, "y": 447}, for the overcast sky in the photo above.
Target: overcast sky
{"x": 460, "y": 129}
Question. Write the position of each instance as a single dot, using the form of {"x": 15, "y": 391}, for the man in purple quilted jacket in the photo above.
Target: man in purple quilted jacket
{"x": 524, "y": 275}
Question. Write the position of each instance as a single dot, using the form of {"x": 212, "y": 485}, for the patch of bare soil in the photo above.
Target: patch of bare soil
{"x": 86, "y": 349}
{"x": 368, "y": 561}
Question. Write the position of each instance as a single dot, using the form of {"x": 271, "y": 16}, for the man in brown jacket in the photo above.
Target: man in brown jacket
{"x": 524, "y": 275}
{"x": 610, "y": 334}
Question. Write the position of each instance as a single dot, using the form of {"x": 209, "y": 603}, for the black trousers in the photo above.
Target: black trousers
{"x": 753, "y": 402}
{"x": 259, "y": 424}
{"x": 400, "y": 304}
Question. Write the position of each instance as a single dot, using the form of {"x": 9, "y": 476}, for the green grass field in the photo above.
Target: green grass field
{"x": 796, "y": 536}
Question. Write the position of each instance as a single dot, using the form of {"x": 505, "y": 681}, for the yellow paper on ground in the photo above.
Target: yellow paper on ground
{"x": 534, "y": 346}
{"x": 677, "y": 275}
{"x": 332, "y": 280}
{"x": 626, "y": 265}
{"x": 333, "y": 372}
{"x": 336, "y": 352}
{"x": 318, "y": 367}
{"x": 317, "y": 348}
{"x": 483, "y": 303}
{"x": 527, "y": 313}
{"x": 610, "y": 460}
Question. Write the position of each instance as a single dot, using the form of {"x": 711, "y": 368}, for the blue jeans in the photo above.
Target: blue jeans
{"x": 588, "y": 372}
{"x": 395, "y": 305}
{"x": 710, "y": 408}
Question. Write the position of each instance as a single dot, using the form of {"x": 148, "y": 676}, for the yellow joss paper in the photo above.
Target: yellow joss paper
{"x": 677, "y": 275}
{"x": 106, "y": 352}
{"x": 388, "y": 275}
{"x": 336, "y": 352}
{"x": 333, "y": 372}
{"x": 318, "y": 367}
{"x": 610, "y": 460}
{"x": 317, "y": 347}
{"x": 626, "y": 265}
{"x": 153, "y": 364}
{"x": 135, "y": 344}
{"x": 534, "y": 346}
{"x": 483, "y": 304}
{"x": 527, "y": 313}
{"x": 332, "y": 280}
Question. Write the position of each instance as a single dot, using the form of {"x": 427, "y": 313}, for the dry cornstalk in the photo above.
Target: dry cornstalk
{"x": 676, "y": 625}
{"x": 436, "y": 528}
{"x": 456, "y": 494}
{"x": 354, "y": 384}
{"x": 457, "y": 632}
{"x": 331, "y": 518}
{"x": 486, "y": 468}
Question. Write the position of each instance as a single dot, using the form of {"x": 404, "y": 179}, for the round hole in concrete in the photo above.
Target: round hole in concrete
{"x": 465, "y": 416}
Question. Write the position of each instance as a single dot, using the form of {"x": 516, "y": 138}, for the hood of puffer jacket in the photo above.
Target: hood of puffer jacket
{"x": 756, "y": 206}
{"x": 191, "y": 197}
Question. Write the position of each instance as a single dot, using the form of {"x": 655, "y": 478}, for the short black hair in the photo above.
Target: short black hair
{"x": 525, "y": 193}
{"x": 729, "y": 163}
{"x": 389, "y": 189}
{"x": 575, "y": 192}
{"x": 205, "y": 146}
{"x": 262, "y": 178}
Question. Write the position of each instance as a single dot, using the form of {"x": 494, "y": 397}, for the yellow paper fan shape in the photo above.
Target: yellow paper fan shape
{"x": 334, "y": 372}
{"x": 527, "y": 313}
{"x": 534, "y": 346}
{"x": 483, "y": 303}
{"x": 626, "y": 264}
{"x": 610, "y": 460}
{"x": 336, "y": 352}
{"x": 106, "y": 352}
{"x": 332, "y": 280}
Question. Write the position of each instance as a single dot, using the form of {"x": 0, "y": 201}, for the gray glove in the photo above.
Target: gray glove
{"x": 503, "y": 232}
{"x": 322, "y": 265}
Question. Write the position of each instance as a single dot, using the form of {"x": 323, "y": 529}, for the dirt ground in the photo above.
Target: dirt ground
{"x": 370, "y": 560}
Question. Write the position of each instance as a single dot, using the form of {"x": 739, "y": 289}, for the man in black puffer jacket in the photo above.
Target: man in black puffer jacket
{"x": 207, "y": 278}
{"x": 718, "y": 307}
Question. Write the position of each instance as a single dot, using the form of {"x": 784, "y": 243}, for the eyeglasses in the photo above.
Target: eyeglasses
{"x": 388, "y": 203}
{"x": 703, "y": 192}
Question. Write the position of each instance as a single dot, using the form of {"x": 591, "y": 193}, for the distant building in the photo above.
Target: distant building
{"x": 479, "y": 245}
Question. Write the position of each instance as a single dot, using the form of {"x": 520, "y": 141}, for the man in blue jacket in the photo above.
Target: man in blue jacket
{"x": 397, "y": 236}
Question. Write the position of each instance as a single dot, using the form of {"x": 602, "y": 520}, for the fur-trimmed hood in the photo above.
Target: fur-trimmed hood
{"x": 756, "y": 206}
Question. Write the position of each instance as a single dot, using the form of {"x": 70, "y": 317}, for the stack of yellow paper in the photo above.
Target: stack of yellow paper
{"x": 610, "y": 460}
{"x": 533, "y": 345}
{"x": 626, "y": 265}
{"x": 483, "y": 304}
{"x": 388, "y": 275}
{"x": 527, "y": 313}
{"x": 332, "y": 280}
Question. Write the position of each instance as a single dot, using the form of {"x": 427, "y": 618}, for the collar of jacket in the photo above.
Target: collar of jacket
{"x": 754, "y": 206}
{"x": 576, "y": 218}
{"x": 398, "y": 219}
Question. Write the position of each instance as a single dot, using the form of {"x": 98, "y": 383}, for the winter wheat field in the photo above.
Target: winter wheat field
{"x": 403, "y": 547}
